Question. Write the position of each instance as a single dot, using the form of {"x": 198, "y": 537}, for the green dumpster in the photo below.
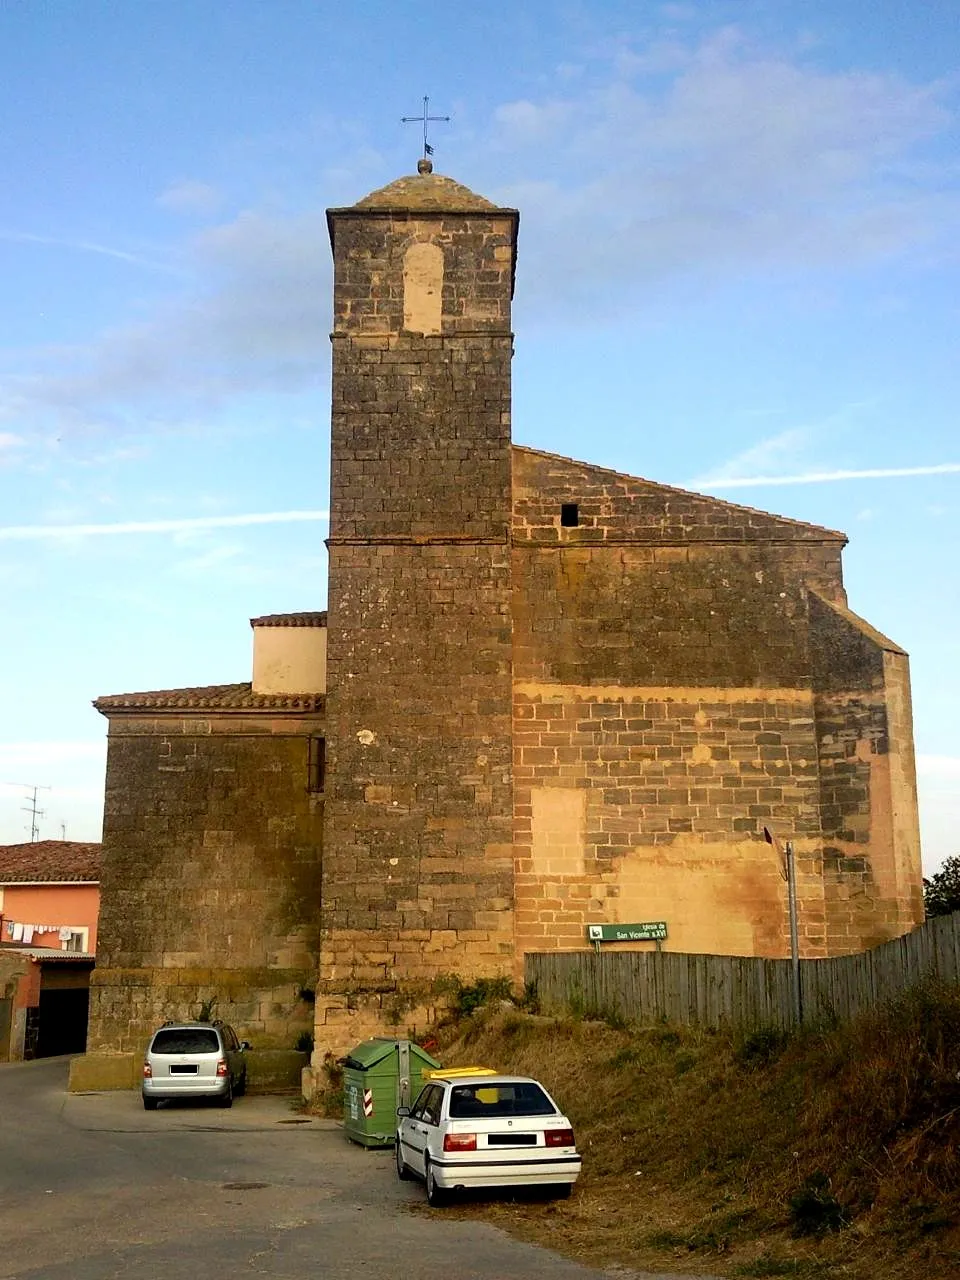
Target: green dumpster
{"x": 380, "y": 1075}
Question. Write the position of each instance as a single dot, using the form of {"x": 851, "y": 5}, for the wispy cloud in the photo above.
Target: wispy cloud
{"x": 189, "y": 196}
{"x": 729, "y": 156}
{"x": 254, "y": 319}
{"x": 89, "y": 246}
{"x": 32, "y": 532}
{"x": 782, "y": 452}
{"x": 825, "y": 477}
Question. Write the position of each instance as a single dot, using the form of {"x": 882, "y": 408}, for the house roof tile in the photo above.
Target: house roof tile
{"x": 213, "y": 697}
{"x": 316, "y": 619}
{"x": 52, "y": 860}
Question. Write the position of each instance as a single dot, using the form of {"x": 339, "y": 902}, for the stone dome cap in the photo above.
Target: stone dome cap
{"x": 429, "y": 192}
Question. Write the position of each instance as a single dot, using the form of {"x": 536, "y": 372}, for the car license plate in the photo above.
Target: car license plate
{"x": 184, "y": 1070}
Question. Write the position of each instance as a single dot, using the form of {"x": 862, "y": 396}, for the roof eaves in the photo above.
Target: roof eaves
{"x": 317, "y": 618}
{"x": 53, "y": 882}
{"x": 234, "y": 699}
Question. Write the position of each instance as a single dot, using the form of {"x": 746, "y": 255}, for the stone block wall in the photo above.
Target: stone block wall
{"x": 418, "y": 881}
{"x": 420, "y": 423}
{"x": 649, "y": 804}
{"x": 19, "y": 991}
{"x": 870, "y": 833}
{"x": 615, "y": 509}
{"x": 211, "y": 877}
{"x": 685, "y": 674}
{"x": 657, "y": 587}
{"x": 418, "y": 869}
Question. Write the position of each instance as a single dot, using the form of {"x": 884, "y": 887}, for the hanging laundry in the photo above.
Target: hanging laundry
{"x": 18, "y": 933}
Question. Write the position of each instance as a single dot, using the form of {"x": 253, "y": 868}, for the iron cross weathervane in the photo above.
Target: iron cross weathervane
{"x": 425, "y": 118}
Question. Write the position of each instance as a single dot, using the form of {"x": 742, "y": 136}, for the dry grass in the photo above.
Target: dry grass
{"x": 831, "y": 1153}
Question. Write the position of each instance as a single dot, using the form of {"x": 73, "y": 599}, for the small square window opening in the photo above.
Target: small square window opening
{"x": 569, "y": 515}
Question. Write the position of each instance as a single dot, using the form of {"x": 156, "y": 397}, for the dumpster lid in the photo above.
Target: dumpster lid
{"x": 369, "y": 1053}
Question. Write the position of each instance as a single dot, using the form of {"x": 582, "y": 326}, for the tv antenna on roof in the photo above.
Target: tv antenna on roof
{"x": 30, "y": 807}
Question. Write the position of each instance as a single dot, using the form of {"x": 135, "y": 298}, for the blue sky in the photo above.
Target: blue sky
{"x": 738, "y": 272}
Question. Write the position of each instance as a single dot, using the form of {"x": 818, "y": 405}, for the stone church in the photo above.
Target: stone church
{"x": 544, "y": 695}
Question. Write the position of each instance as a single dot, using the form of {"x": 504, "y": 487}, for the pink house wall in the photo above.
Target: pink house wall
{"x": 59, "y": 905}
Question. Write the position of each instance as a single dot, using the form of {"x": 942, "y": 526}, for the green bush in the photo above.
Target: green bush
{"x": 814, "y": 1209}
{"x": 465, "y": 998}
{"x": 760, "y": 1047}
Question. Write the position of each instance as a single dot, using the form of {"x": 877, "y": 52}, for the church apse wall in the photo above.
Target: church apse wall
{"x": 665, "y": 712}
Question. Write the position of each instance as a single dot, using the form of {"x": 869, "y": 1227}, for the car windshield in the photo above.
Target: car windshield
{"x": 488, "y": 1101}
{"x": 186, "y": 1040}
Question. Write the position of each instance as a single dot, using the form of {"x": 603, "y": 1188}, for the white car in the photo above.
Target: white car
{"x": 485, "y": 1131}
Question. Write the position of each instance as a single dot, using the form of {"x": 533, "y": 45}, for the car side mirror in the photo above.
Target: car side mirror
{"x": 245, "y": 1044}
{"x": 403, "y": 1111}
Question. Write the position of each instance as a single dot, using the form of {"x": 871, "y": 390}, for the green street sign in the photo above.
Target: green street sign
{"x": 651, "y": 931}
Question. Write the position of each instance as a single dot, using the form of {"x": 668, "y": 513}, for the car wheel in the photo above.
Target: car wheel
{"x": 227, "y": 1099}
{"x": 241, "y": 1088}
{"x": 403, "y": 1173}
{"x": 436, "y": 1196}
{"x": 561, "y": 1191}
{"x": 150, "y": 1104}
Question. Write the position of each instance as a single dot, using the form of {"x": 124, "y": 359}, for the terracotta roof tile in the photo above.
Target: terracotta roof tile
{"x": 291, "y": 620}
{"x": 49, "y": 860}
{"x": 213, "y": 697}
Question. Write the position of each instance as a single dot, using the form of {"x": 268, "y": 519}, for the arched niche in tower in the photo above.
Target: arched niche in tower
{"x": 423, "y": 288}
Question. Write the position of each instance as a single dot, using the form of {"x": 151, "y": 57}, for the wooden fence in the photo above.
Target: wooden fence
{"x": 741, "y": 991}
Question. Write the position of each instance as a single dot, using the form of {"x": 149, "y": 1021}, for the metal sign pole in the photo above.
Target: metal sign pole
{"x": 794, "y": 931}
{"x": 788, "y": 871}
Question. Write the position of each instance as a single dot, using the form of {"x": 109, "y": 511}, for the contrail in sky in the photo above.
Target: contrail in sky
{"x": 87, "y": 246}
{"x": 31, "y": 532}
{"x": 823, "y": 477}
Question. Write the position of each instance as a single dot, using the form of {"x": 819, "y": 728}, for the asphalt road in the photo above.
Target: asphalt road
{"x": 92, "y": 1188}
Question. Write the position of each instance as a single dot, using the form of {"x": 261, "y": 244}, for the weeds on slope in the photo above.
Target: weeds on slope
{"x": 836, "y": 1148}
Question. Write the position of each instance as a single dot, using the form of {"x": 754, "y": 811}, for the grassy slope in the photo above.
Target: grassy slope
{"x": 831, "y": 1153}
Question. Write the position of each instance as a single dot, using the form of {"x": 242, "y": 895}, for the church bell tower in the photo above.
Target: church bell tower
{"x": 417, "y": 862}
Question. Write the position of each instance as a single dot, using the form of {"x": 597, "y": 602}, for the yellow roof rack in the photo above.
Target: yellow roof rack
{"x": 453, "y": 1073}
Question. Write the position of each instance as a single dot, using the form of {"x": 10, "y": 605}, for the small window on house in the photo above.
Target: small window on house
{"x": 73, "y": 939}
{"x": 569, "y": 515}
{"x": 316, "y": 765}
